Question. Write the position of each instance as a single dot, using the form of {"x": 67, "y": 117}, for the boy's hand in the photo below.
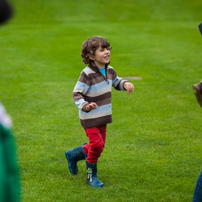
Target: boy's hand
{"x": 91, "y": 106}
{"x": 129, "y": 87}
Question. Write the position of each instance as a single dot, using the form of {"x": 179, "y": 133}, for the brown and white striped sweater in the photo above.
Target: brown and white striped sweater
{"x": 93, "y": 86}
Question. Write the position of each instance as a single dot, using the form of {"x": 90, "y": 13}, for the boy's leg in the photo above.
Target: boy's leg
{"x": 94, "y": 148}
{"x": 92, "y": 179}
{"x": 74, "y": 155}
{"x": 103, "y": 130}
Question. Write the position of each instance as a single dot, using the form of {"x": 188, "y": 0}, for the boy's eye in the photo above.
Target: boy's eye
{"x": 102, "y": 49}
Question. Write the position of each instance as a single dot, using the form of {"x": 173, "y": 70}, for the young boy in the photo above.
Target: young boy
{"x": 92, "y": 95}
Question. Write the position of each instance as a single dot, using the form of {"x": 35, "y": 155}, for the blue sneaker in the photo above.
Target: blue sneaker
{"x": 74, "y": 155}
{"x": 92, "y": 179}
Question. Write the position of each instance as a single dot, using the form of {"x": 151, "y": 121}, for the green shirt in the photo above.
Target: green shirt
{"x": 9, "y": 173}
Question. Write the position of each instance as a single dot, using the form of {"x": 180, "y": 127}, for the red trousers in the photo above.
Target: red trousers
{"x": 94, "y": 148}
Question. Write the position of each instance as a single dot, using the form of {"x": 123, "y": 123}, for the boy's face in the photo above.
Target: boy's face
{"x": 102, "y": 56}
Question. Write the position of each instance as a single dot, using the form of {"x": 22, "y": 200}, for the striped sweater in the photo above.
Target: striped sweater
{"x": 93, "y": 86}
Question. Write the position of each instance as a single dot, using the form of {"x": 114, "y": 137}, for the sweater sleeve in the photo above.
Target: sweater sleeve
{"x": 79, "y": 92}
{"x": 117, "y": 82}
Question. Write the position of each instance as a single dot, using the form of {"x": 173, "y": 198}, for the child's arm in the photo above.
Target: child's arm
{"x": 119, "y": 83}
{"x": 129, "y": 87}
{"x": 79, "y": 92}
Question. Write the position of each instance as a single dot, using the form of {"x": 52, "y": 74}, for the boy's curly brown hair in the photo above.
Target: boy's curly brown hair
{"x": 91, "y": 45}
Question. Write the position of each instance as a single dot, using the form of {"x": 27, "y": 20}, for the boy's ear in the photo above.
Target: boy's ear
{"x": 92, "y": 57}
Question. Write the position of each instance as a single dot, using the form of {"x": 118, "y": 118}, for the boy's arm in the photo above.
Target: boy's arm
{"x": 129, "y": 86}
{"x": 121, "y": 84}
{"x": 80, "y": 89}
{"x": 79, "y": 92}
{"x": 82, "y": 104}
{"x": 78, "y": 96}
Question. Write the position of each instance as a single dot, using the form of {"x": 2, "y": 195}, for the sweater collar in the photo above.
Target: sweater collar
{"x": 94, "y": 67}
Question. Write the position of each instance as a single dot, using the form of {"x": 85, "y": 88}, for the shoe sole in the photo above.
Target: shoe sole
{"x": 90, "y": 184}
{"x": 197, "y": 94}
{"x": 94, "y": 185}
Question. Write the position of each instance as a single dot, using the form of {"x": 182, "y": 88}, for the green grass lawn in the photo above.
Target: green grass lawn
{"x": 153, "y": 148}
